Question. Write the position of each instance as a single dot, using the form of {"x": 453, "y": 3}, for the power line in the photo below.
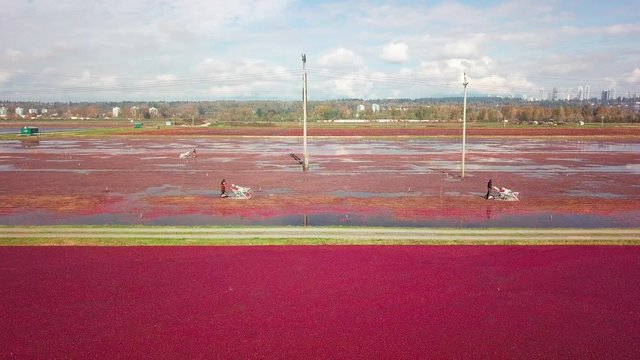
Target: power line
{"x": 261, "y": 84}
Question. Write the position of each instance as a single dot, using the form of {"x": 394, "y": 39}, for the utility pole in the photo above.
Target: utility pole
{"x": 305, "y": 163}
{"x": 464, "y": 124}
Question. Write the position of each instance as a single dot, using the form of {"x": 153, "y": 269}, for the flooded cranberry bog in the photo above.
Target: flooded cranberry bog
{"x": 407, "y": 301}
{"x": 404, "y": 180}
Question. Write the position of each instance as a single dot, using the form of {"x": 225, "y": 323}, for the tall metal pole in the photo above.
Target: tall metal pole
{"x": 305, "y": 164}
{"x": 464, "y": 124}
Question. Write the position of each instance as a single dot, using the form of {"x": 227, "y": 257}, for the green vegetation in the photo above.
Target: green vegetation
{"x": 257, "y": 236}
{"x": 480, "y": 109}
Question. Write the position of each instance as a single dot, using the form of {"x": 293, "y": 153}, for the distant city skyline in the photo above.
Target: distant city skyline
{"x": 251, "y": 50}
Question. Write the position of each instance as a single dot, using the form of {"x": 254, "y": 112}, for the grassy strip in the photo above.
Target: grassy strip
{"x": 93, "y": 241}
{"x": 331, "y": 236}
{"x": 140, "y": 235}
{"x": 53, "y": 134}
{"x": 126, "y": 129}
{"x": 137, "y": 228}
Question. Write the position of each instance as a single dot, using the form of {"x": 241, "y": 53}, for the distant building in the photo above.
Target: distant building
{"x": 554, "y": 94}
{"x": 580, "y": 96}
{"x": 608, "y": 95}
{"x": 116, "y": 112}
{"x": 20, "y": 112}
{"x": 44, "y": 111}
{"x": 587, "y": 94}
{"x": 3, "y": 112}
{"x": 33, "y": 111}
{"x": 375, "y": 108}
{"x": 153, "y": 111}
{"x": 360, "y": 108}
{"x": 134, "y": 111}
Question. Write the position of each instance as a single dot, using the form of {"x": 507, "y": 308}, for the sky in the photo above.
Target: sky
{"x": 153, "y": 50}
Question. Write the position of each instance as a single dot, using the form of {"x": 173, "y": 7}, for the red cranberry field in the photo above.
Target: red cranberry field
{"x": 349, "y": 302}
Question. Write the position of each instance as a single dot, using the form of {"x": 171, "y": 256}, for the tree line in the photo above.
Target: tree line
{"x": 478, "y": 110}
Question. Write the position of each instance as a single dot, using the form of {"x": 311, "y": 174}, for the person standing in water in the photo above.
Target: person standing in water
{"x": 489, "y": 187}
{"x": 223, "y": 189}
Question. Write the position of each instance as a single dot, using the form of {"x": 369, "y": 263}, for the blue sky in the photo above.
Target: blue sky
{"x": 72, "y": 50}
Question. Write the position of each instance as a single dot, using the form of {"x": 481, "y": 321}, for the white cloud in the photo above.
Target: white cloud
{"x": 246, "y": 79}
{"x": 341, "y": 58}
{"x": 446, "y": 46}
{"x": 526, "y": 39}
{"x": 395, "y": 52}
{"x": 501, "y": 85}
{"x": 460, "y": 49}
{"x": 611, "y": 83}
{"x": 86, "y": 79}
{"x": 633, "y": 77}
{"x": 247, "y": 68}
{"x": 480, "y": 67}
{"x": 4, "y": 77}
{"x": 483, "y": 76}
{"x": 551, "y": 35}
{"x": 14, "y": 55}
{"x": 413, "y": 16}
{"x": 450, "y": 70}
{"x": 355, "y": 84}
{"x": 561, "y": 64}
{"x": 350, "y": 86}
{"x": 166, "y": 77}
{"x": 406, "y": 71}
{"x": 619, "y": 29}
{"x": 211, "y": 65}
{"x": 200, "y": 48}
{"x": 211, "y": 16}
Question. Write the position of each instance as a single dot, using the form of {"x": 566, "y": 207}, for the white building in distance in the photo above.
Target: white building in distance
{"x": 20, "y": 112}
{"x": 360, "y": 108}
{"x": 587, "y": 90}
{"x": 116, "y": 112}
{"x": 375, "y": 108}
{"x": 3, "y": 112}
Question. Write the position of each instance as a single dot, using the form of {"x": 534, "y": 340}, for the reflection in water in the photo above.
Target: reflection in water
{"x": 546, "y": 220}
{"x": 29, "y": 143}
{"x": 342, "y": 147}
{"x": 338, "y": 157}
